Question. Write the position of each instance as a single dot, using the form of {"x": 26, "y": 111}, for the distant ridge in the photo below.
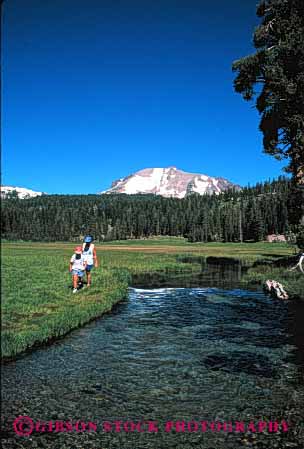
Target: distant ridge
{"x": 21, "y": 192}
{"x": 167, "y": 182}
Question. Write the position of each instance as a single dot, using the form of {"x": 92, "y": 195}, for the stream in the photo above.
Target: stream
{"x": 193, "y": 354}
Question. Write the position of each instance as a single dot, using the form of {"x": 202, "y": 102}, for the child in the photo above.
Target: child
{"x": 89, "y": 253}
{"x": 77, "y": 266}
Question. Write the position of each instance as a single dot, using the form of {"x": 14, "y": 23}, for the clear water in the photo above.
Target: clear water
{"x": 166, "y": 354}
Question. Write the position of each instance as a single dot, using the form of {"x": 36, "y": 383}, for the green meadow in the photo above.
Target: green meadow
{"x": 37, "y": 300}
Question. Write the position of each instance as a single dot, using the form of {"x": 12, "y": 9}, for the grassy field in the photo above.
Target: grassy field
{"x": 175, "y": 245}
{"x": 38, "y": 303}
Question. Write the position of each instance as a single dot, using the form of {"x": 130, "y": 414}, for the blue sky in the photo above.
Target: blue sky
{"x": 93, "y": 91}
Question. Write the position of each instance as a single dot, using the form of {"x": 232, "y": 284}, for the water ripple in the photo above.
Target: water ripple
{"x": 164, "y": 354}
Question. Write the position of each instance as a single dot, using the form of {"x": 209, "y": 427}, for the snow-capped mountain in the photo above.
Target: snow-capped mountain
{"x": 169, "y": 182}
{"x": 21, "y": 192}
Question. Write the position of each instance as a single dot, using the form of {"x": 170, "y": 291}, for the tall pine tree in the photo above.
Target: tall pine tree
{"x": 278, "y": 67}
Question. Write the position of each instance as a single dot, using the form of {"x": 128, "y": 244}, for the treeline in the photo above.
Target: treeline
{"x": 247, "y": 215}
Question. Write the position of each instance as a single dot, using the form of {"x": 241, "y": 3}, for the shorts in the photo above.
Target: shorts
{"x": 89, "y": 267}
{"x": 78, "y": 273}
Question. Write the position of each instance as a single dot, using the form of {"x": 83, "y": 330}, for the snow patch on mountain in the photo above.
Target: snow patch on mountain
{"x": 21, "y": 192}
{"x": 169, "y": 182}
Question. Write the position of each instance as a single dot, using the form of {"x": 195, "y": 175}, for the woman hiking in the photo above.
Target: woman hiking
{"x": 90, "y": 256}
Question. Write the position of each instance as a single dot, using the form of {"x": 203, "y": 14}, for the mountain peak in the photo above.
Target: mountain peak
{"x": 169, "y": 182}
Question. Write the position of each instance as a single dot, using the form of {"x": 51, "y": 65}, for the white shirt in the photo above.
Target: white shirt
{"x": 78, "y": 264}
{"x": 88, "y": 254}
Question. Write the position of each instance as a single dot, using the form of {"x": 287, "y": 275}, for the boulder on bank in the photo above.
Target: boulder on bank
{"x": 275, "y": 289}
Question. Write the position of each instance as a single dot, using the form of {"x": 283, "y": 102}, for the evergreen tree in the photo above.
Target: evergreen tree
{"x": 278, "y": 65}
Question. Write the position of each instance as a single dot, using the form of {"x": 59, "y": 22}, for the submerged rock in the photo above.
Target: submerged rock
{"x": 241, "y": 361}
